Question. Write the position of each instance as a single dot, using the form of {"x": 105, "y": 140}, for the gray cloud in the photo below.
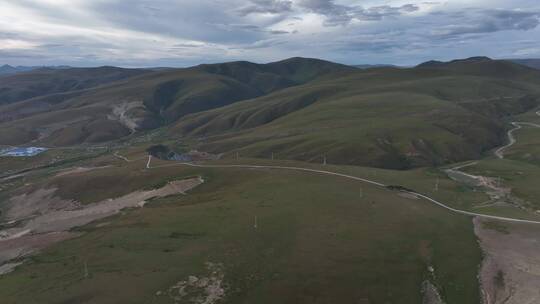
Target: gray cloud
{"x": 185, "y": 45}
{"x": 182, "y": 32}
{"x": 488, "y": 21}
{"x": 6, "y": 35}
{"x": 277, "y": 32}
{"x": 380, "y": 12}
{"x": 261, "y": 44}
{"x": 201, "y": 20}
{"x": 19, "y": 55}
{"x": 51, "y": 45}
{"x": 266, "y": 7}
{"x": 336, "y": 14}
{"x": 341, "y": 14}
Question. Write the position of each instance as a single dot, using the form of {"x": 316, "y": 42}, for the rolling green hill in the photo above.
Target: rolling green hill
{"x": 45, "y": 81}
{"x": 305, "y": 109}
{"x": 394, "y": 118}
{"x": 147, "y": 101}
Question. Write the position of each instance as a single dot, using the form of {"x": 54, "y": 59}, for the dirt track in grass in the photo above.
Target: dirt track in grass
{"x": 39, "y": 219}
{"x": 510, "y": 272}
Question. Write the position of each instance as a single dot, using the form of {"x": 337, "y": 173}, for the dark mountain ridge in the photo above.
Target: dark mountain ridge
{"x": 532, "y": 63}
{"x": 147, "y": 99}
{"x": 45, "y": 81}
{"x": 436, "y": 63}
{"x": 7, "y": 69}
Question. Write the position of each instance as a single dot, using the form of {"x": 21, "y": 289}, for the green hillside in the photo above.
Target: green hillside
{"x": 45, "y": 81}
{"x": 149, "y": 101}
{"x": 304, "y": 109}
{"x": 309, "y": 245}
{"x": 393, "y": 118}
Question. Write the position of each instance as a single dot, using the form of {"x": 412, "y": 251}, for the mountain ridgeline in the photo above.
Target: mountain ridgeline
{"x": 305, "y": 109}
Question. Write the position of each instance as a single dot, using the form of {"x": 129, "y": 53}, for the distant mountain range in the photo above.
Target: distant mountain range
{"x": 370, "y": 66}
{"x": 299, "y": 108}
{"x": 10, "y": 70}
{"x": 533, "y": 63}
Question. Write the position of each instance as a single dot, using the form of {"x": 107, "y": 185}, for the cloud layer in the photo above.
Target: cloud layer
{"x": 186, "y": 32}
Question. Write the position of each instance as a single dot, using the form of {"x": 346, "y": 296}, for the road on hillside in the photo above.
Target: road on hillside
{"x": 511, "y": 138}
{"x": 432, "y": 200}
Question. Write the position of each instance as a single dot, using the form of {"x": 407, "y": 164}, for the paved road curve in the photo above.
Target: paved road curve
{"x": 434, "y": 201}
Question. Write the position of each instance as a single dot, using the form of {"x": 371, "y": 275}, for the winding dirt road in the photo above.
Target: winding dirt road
{"x": 511, "y": 138}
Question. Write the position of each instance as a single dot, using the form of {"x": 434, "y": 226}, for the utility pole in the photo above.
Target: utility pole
{"x": 255, "y": 224}
{"x": 85, "y": 269}
{"x": 437, "y": 184}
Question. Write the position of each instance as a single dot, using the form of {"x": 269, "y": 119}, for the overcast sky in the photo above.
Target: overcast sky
{"x": 142, "y": 33}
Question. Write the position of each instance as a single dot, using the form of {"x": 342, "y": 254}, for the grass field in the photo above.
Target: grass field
{"x": 318, "y": 240}
{"x": 522, "y": 177}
